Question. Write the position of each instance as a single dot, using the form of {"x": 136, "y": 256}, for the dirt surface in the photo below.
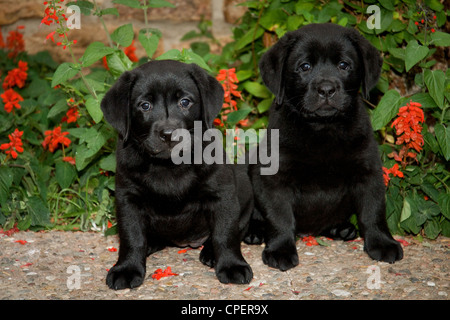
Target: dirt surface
{"x": 73, "y": 265}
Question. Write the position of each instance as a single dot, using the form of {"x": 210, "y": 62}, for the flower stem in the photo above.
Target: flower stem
{"x": 104, "y": 25}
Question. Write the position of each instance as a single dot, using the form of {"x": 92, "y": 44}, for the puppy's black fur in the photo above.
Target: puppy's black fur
{"x": 159, "y": 203}
{"x": 329, "y": 163}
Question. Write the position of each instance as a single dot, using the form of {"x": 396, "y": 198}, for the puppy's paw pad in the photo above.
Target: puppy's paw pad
{"x": 235, "y": 274}
{"x": 280, "y": 259}
{"x": 126, "y": 277}
{"x": 253, "y": 238}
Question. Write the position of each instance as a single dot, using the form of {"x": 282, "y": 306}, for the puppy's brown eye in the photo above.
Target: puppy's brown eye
{"x": 185, "y": 103}
{"x": 343, "y": 65}
{"x": 145, "y": 106}
{"x": 305, "y": 67}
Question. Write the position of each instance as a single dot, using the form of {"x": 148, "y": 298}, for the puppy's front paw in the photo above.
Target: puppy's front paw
{"x": 123, "y": 276}
{"x": 383, "y": 248}
{"x": 282, "y": 257}
{"x": 238, "y": 274}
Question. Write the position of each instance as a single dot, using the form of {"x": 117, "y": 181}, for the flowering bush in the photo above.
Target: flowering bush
{"x": 57, "y": 158}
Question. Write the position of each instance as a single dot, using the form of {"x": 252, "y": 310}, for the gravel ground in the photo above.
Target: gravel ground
{"x": 73, "y": 265}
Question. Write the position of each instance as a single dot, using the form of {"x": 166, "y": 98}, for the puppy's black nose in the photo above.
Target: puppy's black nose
{"x": 166, "y": 135}
{"x": 326, "y": 90}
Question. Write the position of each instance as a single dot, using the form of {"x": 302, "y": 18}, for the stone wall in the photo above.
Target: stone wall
{"x": 172, "y": 22}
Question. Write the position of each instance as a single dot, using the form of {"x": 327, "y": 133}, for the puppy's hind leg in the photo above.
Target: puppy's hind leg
{"x": 345, "y": 231}
{"x": 255, "y": 233}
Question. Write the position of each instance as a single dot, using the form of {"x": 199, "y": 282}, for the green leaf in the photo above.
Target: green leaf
{"x": 85, "y": 6}
{"x": 432, "y": 228}
{"x": 189, "y": 56}
{"x": 387, "y": 109}
{"x": 424, "y": 99}
{"x": 94, "y": 52}
{"x": 112, "y": 11}
{"x": 93, "y": 107}
{"x": 118, "y": 63}
{"x": 388, "y": 4}
{"x": 257, "y": 89}
{"x": 251, "y": 35}
{"x": 108, "y": 163}
{"x": 150, "y": 43}
{"x": 443, "y": 137}
{"x": 414, "y": 52}
{"x": 440, "y": 39}
{"x": 264, "y": 105}
{"x": 406, "y": 210}
{"x": 64, "y": 72}
{"x": 6, "y": 180}
{"x": 444, "y": 204}
{"x": 59, "y": 107}
{"x": 65, "y": 174}
{"x": 173, "y": 54}
{"x": 160, "y": 4}
{"x": 129, "y": 3}
{"x": 435, "y": 81}
{"x": 236, "y": 116}
{"x": 40, "y": 215}
{"x": 123, "y": 35}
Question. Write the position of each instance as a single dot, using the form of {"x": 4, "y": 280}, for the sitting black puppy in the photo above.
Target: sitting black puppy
{"x": 159, "y": 203}
{"x": 329, "y": 165}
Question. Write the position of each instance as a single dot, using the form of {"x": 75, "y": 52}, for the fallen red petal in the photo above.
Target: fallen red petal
{"x": 22, "y": 242}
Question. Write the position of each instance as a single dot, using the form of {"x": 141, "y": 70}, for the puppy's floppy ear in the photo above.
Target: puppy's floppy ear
{"x": 371, "y": 61}
{"x": 116, "y": 104}
{"x": 211, "y": 93}
{"x": 271, "y": 66}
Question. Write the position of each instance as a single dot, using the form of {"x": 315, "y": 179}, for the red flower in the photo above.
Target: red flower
{"x": 70, "y": 160}
{"x": 17, "y": 76}
{"x": 130, "y": 52}
{"x": 50, "y": 36}
{"x": 50, "y": 16}
{"x": 71, "y": 115}
{"x": 11, "y": 100}
{"x": 408, "y": 129}
{"x": 229, "y": 78}
{"x": 15, "y": 144}
{"x": 22, "y": 242}
{"x": 229, "y": 83}
{"x": 15, "y": 43}
{"x": 394, "y": 171}
{"x": 55, "y": 137}
{"x": 310, "y": 241}
{"x": 158, "y": 274}
{"x": 112, "y": 249}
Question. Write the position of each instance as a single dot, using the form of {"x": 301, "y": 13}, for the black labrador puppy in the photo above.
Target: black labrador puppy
{"x": 329, "y": 164}
{"x": 159, "y": 203}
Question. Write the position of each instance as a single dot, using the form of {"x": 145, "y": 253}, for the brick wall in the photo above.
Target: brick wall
{"x": 172, "y": 22}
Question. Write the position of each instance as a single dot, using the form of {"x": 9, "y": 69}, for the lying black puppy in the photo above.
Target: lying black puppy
{"x": 329, "y": 163}
{"x": 159, "y": 203}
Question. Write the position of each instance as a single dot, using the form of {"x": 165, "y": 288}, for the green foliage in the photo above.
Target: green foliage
{"x": 40, "y": 189}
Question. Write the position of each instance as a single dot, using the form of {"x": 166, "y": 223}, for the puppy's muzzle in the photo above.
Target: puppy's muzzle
{"x": 326, "y": 89}
{"x": 166, "y": 134}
